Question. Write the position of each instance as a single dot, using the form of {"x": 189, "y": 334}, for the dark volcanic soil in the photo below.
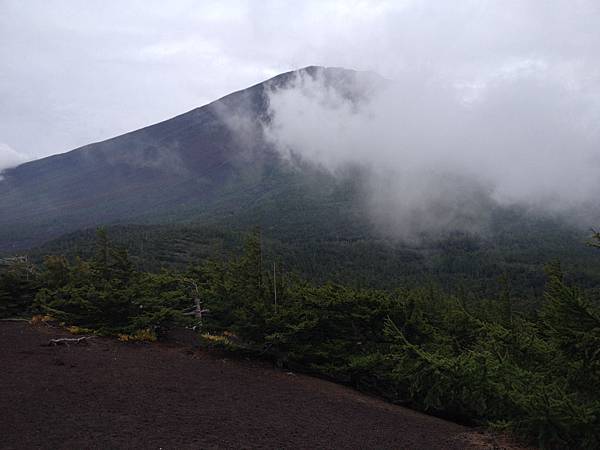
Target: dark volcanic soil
{"x": 109, "y": 394}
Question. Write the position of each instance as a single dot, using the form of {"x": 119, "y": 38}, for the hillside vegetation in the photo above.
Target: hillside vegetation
{"x": 515, "y": 250}
{"x": 461, "y": 354}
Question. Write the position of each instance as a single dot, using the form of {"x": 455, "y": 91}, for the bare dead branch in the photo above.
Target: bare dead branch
{"x": 69, "y": 341}
{"x": 197, "y": 310}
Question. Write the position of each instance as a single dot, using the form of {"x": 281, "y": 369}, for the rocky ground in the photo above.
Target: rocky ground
{"x": 108, "y": 394}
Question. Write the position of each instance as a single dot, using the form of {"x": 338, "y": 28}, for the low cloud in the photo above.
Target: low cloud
{"x": 78, "y": 72}
{"x": 442, "y": 152}
{"x": 9, "y": 157}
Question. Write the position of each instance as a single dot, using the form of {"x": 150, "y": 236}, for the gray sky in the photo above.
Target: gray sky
{"x": 75, "y": 72}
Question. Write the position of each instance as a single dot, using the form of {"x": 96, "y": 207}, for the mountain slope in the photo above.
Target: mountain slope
{"x": 212, "y": 161}
{"x": 184, "y": 398}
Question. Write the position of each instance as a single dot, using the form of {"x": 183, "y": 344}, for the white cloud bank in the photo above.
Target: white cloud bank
{"x": 77, "y": 72}
{"x": 9, "y": 157}
{"x": 441, "y": 152}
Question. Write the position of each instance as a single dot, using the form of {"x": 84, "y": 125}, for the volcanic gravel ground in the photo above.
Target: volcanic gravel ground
{"x": 107, "y": 394}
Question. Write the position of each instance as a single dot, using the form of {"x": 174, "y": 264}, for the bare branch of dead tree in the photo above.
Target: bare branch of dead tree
{"x": 69, "y": 341}
{"x": 197, "y": 310}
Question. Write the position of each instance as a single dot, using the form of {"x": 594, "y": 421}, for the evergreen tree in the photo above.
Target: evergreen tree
{"x": 19, "y": 283}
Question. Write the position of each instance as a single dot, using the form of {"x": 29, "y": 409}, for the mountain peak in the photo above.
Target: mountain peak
{"x": 333, "y": 76}
{"x": 173, "y": 169}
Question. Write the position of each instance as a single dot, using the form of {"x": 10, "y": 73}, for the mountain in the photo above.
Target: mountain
{"x": 211, "y": 163}
{"x": 189, "y": 188}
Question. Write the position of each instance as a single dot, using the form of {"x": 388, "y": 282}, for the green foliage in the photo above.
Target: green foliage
{"x": 514, "y": 248}
{"x": 18, "y": 286}
{"x": 499, "y": 381}
{"x": 572, "y": 324}
{"x": 486, "y": 363}
{"x": 107, "y": 295}
{"x": 458, "y": 355}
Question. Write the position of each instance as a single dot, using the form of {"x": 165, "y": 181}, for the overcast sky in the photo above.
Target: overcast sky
{"x": 74, "y": 72}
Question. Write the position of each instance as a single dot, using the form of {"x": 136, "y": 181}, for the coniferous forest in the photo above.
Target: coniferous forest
{"x": 479, "y": 360}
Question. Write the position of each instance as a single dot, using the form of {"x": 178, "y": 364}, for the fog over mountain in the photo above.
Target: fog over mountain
{"x": 454, "y": 110}
{"x": 440, "y": 152}
{"x": 9, "y": 157}
{"x": 405, "y": 158}
{"x": 210, "y": 164}
{"x": 76, "y": 73}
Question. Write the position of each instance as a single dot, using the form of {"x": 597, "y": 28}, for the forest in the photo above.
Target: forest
{"x": 458, "y": 355}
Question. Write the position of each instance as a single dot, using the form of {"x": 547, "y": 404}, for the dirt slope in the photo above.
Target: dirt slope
{"x": 113, "y": 395}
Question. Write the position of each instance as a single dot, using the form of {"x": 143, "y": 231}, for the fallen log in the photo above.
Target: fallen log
{"x": 69, "y": 341}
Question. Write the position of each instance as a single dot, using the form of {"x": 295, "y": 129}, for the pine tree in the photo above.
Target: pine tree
{"x": 19, "y": 282}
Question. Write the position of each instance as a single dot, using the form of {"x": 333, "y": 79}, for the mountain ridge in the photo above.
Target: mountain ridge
{"x": 311, "y": 70}
{"x": 165, "y": 170}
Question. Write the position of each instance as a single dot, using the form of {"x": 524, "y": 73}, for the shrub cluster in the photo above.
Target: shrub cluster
{"x": 476, "y": 361}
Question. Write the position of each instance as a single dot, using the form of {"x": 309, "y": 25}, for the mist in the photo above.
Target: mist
{"x": 75, "y": 73}
{"x": 9, "y": 158}
{"x": 441, "y": 152}
{"x": 488, "y": 104}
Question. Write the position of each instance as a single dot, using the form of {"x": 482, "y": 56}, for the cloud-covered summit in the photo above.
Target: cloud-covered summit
{"x": 440, "y": 155}
{"x": 9, "y": 157}
{"x": 80, "y": 72}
